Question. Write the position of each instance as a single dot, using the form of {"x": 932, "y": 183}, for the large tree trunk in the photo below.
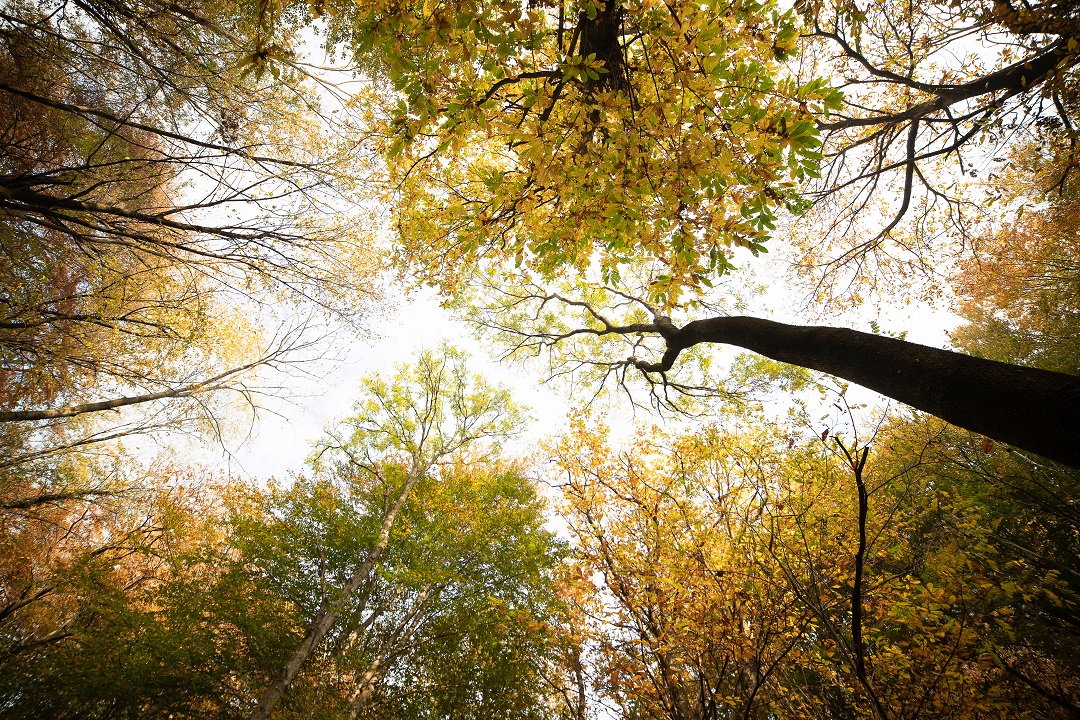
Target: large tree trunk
{"x": 1035, "y": 410}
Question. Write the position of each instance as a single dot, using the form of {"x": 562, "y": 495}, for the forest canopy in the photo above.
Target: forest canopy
{"x": 203, "y": 203}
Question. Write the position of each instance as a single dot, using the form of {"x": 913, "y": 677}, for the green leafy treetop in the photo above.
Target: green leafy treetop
{"x": 587, "y": 134}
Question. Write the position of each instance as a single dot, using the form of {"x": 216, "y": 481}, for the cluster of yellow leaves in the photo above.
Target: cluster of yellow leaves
{"x": 693, "y": 619}
{"x": 508, "y": 145}
{"x": 721, "y": 568}
{"x": 1020, "y": 292}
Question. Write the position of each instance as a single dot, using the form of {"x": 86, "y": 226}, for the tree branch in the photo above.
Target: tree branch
{"x": 87, "y": 112}
{"x": 211, "y": 383}
{"x": 1033, "y": 409}
{"x": 1017, "y": 78}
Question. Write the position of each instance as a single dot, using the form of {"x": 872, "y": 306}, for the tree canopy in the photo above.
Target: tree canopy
{"x": 192, "y": 203}
{"x": 588, "y": 135}
{"x": 639, "y": 107}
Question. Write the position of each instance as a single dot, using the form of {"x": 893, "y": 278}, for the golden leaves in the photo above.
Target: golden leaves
{"x": 602, "y": 174}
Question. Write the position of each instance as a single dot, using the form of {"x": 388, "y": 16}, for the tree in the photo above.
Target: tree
{"x": 156, "y": 185}
{"x": 452, "y": 622}
{"x": 479, "y": 642}
{"x": 1028, "y": 407}
{"x": 448, "y": 620}
{"x": 894, "y": 597}
{"x": 1019, "y": 536}
{"x": 689, "y": 620}
{"x": 508, "y": 148}
{"x": 591, "y": 133}
{"x": 79, "y": 577}
{"x": 405, "y": 430}
{"x": 1018, "y": 297}
{"x": 1019, "y": 292}
{"x": 154, "y": 193}
{"x": 763, "y": 571}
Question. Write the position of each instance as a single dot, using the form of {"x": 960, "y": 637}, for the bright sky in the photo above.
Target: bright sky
{"x": 282, "y": 437}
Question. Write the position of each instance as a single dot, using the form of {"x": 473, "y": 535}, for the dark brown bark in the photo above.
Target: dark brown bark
{"x": 1012, "y": 80}
{"x": 1035, "y": 410}
{"x": 857, "y": 461}
{"x": 599, "y": 36}
{"x": 34, "y": 501}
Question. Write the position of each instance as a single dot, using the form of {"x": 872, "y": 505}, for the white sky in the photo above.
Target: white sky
{"x": 282, "y": 437}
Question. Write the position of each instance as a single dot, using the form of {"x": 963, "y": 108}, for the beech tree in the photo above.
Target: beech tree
{"x": 614, "y": 335}
{"x": 1025, "y": 623}
{"x": 688, "y": 620}
{"x": 452, "y": 622}
{"x": 406, "y": 429}
{"x": 155, "y": 189}
{"x": 75, "y": 567}
{"x": 584, "y": 139}
{"x": 430, "y": 591}
{"x": 568, "y": 134}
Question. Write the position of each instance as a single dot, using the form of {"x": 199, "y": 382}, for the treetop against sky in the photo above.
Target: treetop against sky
{"x": 192, "y": 207}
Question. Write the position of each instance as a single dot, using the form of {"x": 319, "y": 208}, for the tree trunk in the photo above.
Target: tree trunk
{"x": 328, "y": 615}
{"x": 391, "y": 649}
{"x": 1035, "y": 410}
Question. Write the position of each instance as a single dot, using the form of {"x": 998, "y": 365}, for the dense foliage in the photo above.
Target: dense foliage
{"x": 188, "y": 203}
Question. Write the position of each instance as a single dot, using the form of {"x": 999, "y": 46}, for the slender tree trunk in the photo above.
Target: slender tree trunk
{"x": 364, "y": 689}
{"x": 391, "y": 649}
{"x": 1035, "y": 410}
{"x": 328, "y": 615}
{"x": 857, "y": 461}
{"x": 212, "y": 383}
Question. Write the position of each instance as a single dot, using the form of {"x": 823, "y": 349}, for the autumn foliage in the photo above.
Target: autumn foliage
{"x": 195, "y": 211}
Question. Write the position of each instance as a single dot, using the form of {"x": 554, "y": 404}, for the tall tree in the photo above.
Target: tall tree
{"x": 77, "y": 574}
{"x": 405, "y": 430}
{"x": 158, "y": 179}
{"x": 760, "y": 571}
{"x": 452, "y": 621}
{"x": 474, "y": 642}
{"x": 689, "y": 620}
{"x": 1020, "y": 292}
{"x": 586, "y": 133}
{"x": 614, "y": 334}
{"x": 448, "y": 620}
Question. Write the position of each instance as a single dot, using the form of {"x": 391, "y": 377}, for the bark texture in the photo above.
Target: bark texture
{"x": 1035, "y": 410}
